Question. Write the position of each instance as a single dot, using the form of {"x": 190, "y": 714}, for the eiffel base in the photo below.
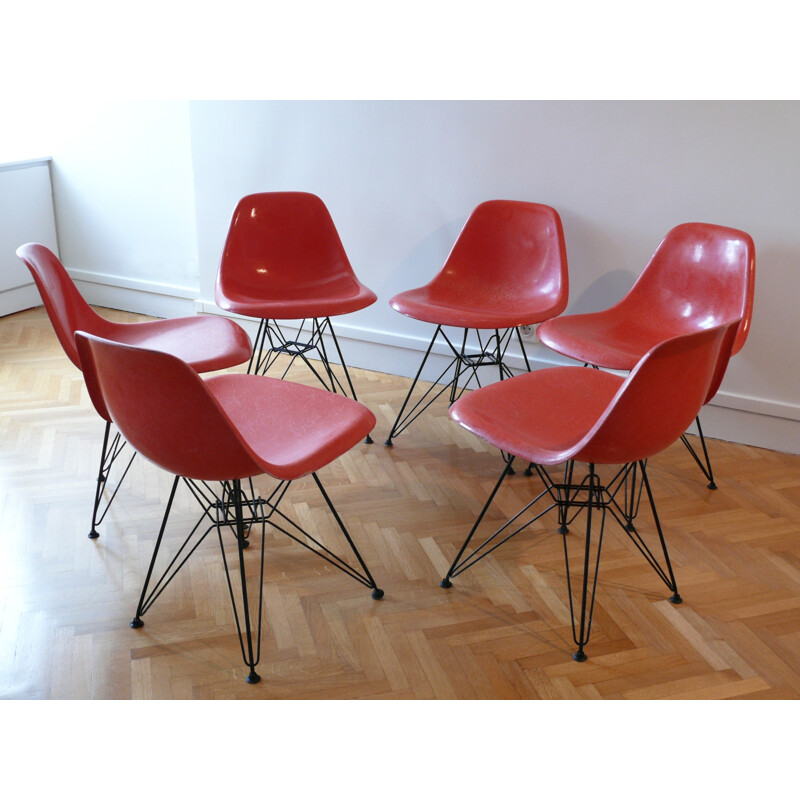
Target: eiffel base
{"x": 589, "y": 497}
{"x": 236, "y": 511}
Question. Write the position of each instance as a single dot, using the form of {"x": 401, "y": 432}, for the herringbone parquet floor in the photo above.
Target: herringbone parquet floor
{"x": 501, "y": 632}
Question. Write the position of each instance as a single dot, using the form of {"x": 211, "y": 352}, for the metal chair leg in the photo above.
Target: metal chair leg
{"x": 141, "y": 608}
{"x": 108, "y": 455}
{"x": 251, "y": 656}
{"x": 458, "y": 565}
{"x": 491, "y": 353}
{"x": 581, "y": 635}
{"x": 401, "y": 423}
{"x": 705, "y": 468}
{"x": 233, "y": 509}
{"x": 587, "y": 496}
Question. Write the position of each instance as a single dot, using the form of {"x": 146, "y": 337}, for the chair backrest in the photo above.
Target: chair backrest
{"x": 509, "y": 248}
{"x": 65, "y": 306}
{"x": 660, "y": 397}
{"x": 281, "y": 243}
{"x": 164, "y": 410}
{"x": 700, "y": 275}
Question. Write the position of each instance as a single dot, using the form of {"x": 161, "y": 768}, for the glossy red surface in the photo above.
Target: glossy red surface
{"x": 550, "y": 416}
{"x": 207, "y": 343}
{"x": 508, "y": 267}
{"x": 699, "y": 276}
{"x": 283, "y": 259}
{"x": 227, "y": 427}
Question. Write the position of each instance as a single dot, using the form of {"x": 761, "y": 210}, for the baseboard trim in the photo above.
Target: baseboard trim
{"x": 131, "y": 294}
{"x": 731, "y": 417}
{"x": 754, "y": 421}
{"x": 19, "y": 298}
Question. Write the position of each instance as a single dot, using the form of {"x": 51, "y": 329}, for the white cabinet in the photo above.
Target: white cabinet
{"x": 26, "y": 215}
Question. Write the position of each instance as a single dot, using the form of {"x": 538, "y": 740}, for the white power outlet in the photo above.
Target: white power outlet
{"x": 528, "y": 332}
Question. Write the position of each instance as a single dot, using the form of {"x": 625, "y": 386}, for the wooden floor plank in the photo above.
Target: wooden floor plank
{"x": 501, "y": 632}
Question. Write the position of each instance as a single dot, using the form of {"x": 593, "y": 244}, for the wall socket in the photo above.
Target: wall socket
{"x": 528, "y": 332}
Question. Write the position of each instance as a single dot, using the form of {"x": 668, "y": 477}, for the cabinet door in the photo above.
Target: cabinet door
{"x": 26, "y": 215}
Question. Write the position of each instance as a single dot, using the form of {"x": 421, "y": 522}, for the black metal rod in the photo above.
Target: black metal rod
{"x": 445, "y": 582}
{"x": 251, "y": 659}
{"x": 137, "y": 623}
{"x": 676, "y": 598}
{"x": 580, "y": 641}
{"x": 394, "y": 431}
{"x": 101, "y": 477}
{"x": 376, "y": 591}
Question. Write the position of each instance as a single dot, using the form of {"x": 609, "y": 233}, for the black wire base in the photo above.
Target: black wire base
{"x": 241, "y": 510}
{"x": 271, "y": 343}
{"x": 108, "y": 456}
{"x": 491, "y": 353}
{"x": 617, "y": 497}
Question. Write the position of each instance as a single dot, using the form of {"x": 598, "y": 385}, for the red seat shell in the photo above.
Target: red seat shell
{"x": 563, "y": 413}
{"x": 508, "y": 267}
{"x": 228, "y": 427}
{"x": 283, "y": 259}
{"x": 207, "y": 343}
{"x": 699, "y": 276}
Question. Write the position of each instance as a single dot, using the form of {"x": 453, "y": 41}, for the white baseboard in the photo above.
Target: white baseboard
{"x": 754, "y": 421}
{"x": 730, "y": 417}
{"x": 19, "y": 298}
{"x": 141, "y": 297}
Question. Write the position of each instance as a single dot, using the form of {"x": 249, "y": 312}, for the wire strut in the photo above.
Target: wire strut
{"x": 238, "y": 510}
{"x": 571, "y": 499}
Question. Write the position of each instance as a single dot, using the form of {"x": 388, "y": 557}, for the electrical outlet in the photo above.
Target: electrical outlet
{"x": 528, "y": 332}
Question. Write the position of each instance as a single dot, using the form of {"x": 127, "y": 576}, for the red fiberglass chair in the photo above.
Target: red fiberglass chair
{"x": 567, "y": 414}
{"x": 699, "y": 275}
{"x": 283, "y": 260}
{"x": 507, "y": 269}
{"x": 227, "y": 428}
{"x": 207, "y": 343}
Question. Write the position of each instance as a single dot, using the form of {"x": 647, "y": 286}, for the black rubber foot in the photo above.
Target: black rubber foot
{"x": 368, "y": 440}
{"x": 676, "y": 599}
{"x": 253, "y": 677}
{"x": 712, "y": 486}
{"x": 630, "y": 527}
{"x": 528, "y": 472}
{"x": 511, "y": 471}
{"x": 94, "y": 535}
{"x": 445, "y": 583}
{"x": 389, "y": 443}
{"x": 579, "y": 656}
{"x": 137, "y": 623}
{"x": 245, "y": 544}
{"x": 563, "y": 529}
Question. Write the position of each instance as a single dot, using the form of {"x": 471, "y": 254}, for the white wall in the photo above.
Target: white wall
{"x": 400, "y": 179}
{"x": 26, "y": 215}
{"x": 124, "y": 194}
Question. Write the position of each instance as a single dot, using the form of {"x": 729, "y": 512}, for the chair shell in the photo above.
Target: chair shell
{"x": 226, "y": 428}
{"x": 699, "y": 275}
{"x": 508, "y": 267}
{"x": 565, "y": 414}
{"x": 558, "y": 414}
{"x": 223, "y": 428}
{"x": 207, "y": 343}
{"x": 283, "y": 259}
